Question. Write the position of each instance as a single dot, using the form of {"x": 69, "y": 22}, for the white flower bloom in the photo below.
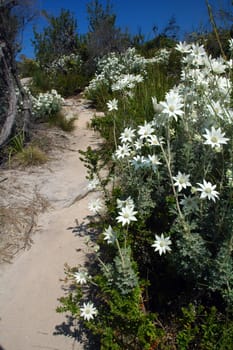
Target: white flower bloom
{"x": 207, "y": 190}
{"x": 154, "y": 141}
{"x": 182, "y": 181}
{"x": 145, "y": 131}
{"x": 183, "y": 47}
{"x": 138, "y": 144}
{"x": 218, "y": 66}
{"x": 156, "y": 105}
{"x": 128, "y": 202}
{"x": 214, "y": 137}
{"x": 154, "y": 160}
{"x": 138, "y": 161}
{"x": 81, "y": 277}
{"x": 126, "y": 215}
{"x": 223, "y": 85}
{"x": 127, "y": 81}
{"x": 190, "y": 203}
{"x": 230, "y": 41}
{"x": 88, "y": 311}
{"x": 95, "y": 205}
{"x": 109, "y": 235}
{"x": 216, "y": 109}
{"x": 173, "y": 105}
{"x": 127, "y": 135}
{"x": 197, "y": 51}
{"x": 122, "y": 151}
{"x": 161, "y": 244}
{"x": 93, "y": 183}
{"x": 112, "y": 105}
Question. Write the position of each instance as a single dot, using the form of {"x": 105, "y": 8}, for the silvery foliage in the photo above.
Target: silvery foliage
{"x": 121, "y": 273}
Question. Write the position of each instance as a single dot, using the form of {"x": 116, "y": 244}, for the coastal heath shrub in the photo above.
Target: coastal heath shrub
{"x": 46, "y": 105}
{"x": 168, "y": 220}
{"x": 188, "y": 144}
{"x": 65, "y": 75}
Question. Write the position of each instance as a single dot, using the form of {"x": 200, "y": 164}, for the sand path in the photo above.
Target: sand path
{"x": 30, "y": 286}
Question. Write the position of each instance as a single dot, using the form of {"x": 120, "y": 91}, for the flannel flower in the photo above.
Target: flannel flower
{"x": 208, "y": 190}
{"x": 126, "y": 215}
{"x": 161, "y": 244}
{"x": 215, "y": 138}
{"x": 88, "y": 311}
{"x": 181, "y": 181}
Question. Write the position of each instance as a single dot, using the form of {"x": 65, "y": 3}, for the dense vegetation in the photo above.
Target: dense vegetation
{"x": 160, "y": 267}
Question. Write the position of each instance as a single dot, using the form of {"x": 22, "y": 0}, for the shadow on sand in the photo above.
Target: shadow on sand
{"x": 72, "y": 327}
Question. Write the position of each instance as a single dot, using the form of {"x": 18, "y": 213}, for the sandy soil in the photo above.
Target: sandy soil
{"x": 30, "y": 286}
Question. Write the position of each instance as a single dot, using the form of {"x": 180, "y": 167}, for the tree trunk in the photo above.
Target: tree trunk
{"x": 13, "y": 120}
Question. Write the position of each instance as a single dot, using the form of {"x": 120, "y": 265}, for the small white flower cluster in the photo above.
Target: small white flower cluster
{"x": 207, "y": 189}
{"x": 162, "y": 56}
{"x": 134, "y": 144}
{"x": 127, "y": 212}
{"x": 205, "y": 85}
{"x": 87, "y": 311}
{"x": 126, "y": 82}
{"x": 66, "y": 63}
{"x": 120, "y": 71}
{"x": 94, "y": 183}
{"x": 46, "y": 104}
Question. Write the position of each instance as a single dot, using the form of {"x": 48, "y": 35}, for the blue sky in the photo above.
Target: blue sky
{"x": 132, "y": 14}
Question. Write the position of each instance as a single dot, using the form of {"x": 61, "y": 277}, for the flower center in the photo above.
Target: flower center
{"x": 214, "y": 139}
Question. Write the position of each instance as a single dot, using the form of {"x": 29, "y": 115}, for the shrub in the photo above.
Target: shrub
{"x": 165, "y": 215}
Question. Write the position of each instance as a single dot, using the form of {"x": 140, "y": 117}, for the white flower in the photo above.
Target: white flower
{"x": 95, "y": 205}
{"x": 208, "y": 190}
{"x": 112, "y": 105}
{"x": 81, "y": 277}
{"x": 172, "y": 106}
{"x": 145, "y": 130}
{"x": 182, "y": 181}
{"x": 88, "y": 311}
{"x": 216, "y": 109}
{"x": 190, "y": 203}
{"x": 218, "y": 65}
{"x": 122, "y": 151}
{"x": 138, "y": 162}
{"x": 93, "y": 183}
{"x": 161, "y": 244}
{"x": 183, "y": 47}
{"x": 154, "y": 141}
{"x": 126, "y": 215}
{"x": 156, "y": 105}
{"x": 109, "y": 235}
{"x": 138, "y": 144}
{"x": 128, "y": 202}
{"x": 127, "y": 135}
{"x": 230, "y": 41}
{"x": 154, "y": 160}
{"x": 214, "y": 137}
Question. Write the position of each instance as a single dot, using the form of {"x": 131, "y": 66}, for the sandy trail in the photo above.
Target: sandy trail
{"x": 30, "y": 286}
